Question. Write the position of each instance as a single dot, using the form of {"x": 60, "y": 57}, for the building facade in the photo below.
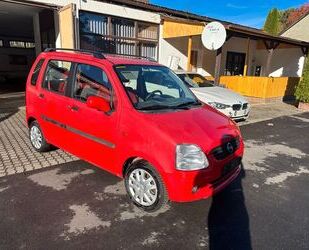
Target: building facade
{"x": 298, "y": 30}
{"x": 138, "y": 28}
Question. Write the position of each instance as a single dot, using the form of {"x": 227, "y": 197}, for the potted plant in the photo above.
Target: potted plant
{"x": 302, "y": 89}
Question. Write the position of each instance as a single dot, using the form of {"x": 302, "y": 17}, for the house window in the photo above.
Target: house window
{"x": 235, "y": 63}
{"x": 29, "y": 45}
{"x": 22, "y": 44}
{"x": 17, "y": 44}
{"x": 118, "y": 35}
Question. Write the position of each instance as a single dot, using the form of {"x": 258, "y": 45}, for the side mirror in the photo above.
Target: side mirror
{"x": 98, "y": 103}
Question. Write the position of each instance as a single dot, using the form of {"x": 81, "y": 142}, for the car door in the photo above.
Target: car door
{"x": 95, "y": 131}
{"x": 54, "y": 101}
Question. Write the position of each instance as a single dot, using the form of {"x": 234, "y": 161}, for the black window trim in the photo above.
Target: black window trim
{"x": 38, "y": 67}
{"x": 68, "y": 87}
{"x": 136, "y": 39}
{"x": 124, "y": 88}
{"x": 73, "y": 83}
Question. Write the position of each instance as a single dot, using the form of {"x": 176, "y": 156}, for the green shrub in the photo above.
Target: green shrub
{"x": 302, "y": 89}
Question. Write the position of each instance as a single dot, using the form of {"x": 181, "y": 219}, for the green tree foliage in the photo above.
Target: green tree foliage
{"x": 272, "y": 23}
{"x": 302, "y": 89}
{"x": 280, "y": 20}
{"x": 284, "y": 20}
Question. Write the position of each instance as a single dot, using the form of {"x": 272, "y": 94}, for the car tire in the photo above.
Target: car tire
{"x": 141, "y": 179}
{"x": 37, "y": 138}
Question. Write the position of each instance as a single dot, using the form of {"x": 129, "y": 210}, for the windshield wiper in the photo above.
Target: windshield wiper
{"x": 155, "y": 107}
{"x": 190, "y": 103}
{"x": 184, "y": 105}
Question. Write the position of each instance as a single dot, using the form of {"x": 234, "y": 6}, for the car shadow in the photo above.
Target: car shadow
{"x": 228, "y": 220}
{"x": 9, "y": 106}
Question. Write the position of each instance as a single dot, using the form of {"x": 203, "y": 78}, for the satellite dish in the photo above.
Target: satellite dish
{"x": 214, "y": 36}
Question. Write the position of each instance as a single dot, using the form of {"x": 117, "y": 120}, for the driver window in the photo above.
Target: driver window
{"x": 91, "y": 81}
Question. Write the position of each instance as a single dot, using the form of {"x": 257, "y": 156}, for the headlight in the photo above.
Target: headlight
{"x": 190, "y": 157}
{"x": 218, "y": 105}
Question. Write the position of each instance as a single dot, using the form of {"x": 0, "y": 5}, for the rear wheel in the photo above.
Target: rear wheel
{"x": 145, "y": 186}
{"x": 37, "y": 138}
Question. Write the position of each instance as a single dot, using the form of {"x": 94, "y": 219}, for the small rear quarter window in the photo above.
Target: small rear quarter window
{"x": 36, "y": 72}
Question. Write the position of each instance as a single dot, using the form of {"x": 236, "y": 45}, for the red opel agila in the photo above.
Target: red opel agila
{"x": 136, "y": 119}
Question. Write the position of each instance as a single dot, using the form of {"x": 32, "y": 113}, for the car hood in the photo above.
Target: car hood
{"x": 203, "y": 126}
{"x": 218, "y": 94}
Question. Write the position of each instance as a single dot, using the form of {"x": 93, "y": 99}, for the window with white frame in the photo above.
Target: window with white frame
{"x": 118, "y": 35}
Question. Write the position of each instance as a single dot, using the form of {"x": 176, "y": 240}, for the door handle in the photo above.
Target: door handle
{"x": 41, "y": 95}
{"x": 73, "y": 108}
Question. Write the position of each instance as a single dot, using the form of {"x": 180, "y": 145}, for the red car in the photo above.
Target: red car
{"x": 136, "y": 119}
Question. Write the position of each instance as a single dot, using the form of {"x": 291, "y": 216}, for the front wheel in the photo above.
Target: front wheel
{"x": 145, "y": 186}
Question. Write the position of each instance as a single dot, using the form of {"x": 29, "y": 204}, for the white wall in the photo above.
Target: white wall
{"x": 108, "y": 9}
{"x": 206, "y": 58}
{"x": 285, "y": 62}
{"x": 178, "y": 47}
{"x": 173, "y": 47}
{"x": 299, "y": 31}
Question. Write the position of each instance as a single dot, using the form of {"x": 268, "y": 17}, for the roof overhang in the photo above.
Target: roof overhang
{"x": 173, "y": 28}
{"x": 178, "y": 27}
{"x": 33, "y": 4}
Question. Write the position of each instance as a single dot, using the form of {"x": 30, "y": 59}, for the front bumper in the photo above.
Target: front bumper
{"x": 236, "y": 114}
{"x": 196, "y": 185}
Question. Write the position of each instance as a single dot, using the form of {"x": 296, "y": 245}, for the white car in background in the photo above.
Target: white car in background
{"x": 224, "y": 100}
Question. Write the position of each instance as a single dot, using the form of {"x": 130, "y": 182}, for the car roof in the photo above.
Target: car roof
{"x": 113, "y": 59}
{"x": 117, "y": 60}
{"x": 178, "y": 72}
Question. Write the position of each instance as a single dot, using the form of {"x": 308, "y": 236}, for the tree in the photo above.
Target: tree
{"x": 296, "y": 14}
{"x": 272, "y": 23}
{"x": 302, "y": 89}
{"x": 284, "y": 18}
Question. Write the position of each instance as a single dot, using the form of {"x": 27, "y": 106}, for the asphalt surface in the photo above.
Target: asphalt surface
{"x": 78, "y": 206}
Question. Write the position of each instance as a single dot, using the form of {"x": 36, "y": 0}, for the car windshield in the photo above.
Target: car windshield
{"x": 155, "y": 87}
{"x": 195, "y": 80}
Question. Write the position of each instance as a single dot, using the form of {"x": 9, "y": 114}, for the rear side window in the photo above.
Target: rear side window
{"x": 57, "y": 76}
{"x": 91, "y": 81}
{"x": 36, "y": 72}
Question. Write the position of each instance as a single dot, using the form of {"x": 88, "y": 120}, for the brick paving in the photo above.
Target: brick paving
{"x": 16, "y": 152}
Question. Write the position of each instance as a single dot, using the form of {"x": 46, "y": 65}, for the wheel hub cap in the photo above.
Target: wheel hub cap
{"x": 36, "y": 137}
{"x": 142, "y": 187}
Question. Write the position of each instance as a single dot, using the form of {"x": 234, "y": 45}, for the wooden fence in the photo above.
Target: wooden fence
{"x": 261, "y": 87}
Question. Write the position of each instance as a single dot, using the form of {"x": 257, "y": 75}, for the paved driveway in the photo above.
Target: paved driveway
{"x": 75, "y": 205}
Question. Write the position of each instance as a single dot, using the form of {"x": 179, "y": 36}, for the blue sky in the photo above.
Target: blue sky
{"x": 249, "y": 13}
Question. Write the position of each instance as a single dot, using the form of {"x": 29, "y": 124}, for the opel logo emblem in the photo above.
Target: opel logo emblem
{"x": 229, "y": 147}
